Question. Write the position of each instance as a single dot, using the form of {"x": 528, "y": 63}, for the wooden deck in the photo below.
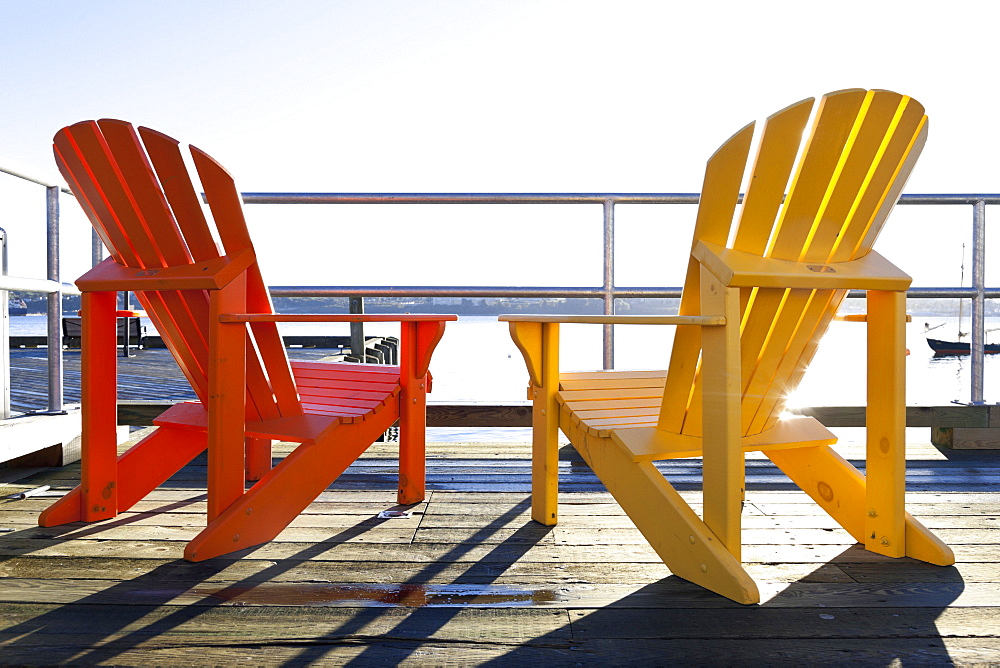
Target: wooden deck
{"x": 470, "y": 579}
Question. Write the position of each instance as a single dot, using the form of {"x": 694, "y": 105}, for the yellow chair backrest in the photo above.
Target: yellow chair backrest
{"x": 816, "y": 199}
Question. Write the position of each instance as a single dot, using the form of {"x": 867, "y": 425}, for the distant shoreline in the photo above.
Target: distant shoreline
{"x": 941, "y": 308}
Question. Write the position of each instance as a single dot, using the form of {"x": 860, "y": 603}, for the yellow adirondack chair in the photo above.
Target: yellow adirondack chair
{"x": 762, "y": 285}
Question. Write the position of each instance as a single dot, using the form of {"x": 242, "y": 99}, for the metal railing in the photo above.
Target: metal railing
{"x": 50, "y": 285}
{"x": 608, "y": 292}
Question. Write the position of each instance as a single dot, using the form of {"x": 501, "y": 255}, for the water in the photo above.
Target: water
{"x": 477, "y": 361}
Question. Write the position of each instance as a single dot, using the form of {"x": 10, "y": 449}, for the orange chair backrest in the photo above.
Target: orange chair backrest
{"x": 136, "y": 190}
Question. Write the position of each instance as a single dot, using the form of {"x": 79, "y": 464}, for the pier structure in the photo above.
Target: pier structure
{"x": 974, "y": 429}
{"x": 466, "y": 576}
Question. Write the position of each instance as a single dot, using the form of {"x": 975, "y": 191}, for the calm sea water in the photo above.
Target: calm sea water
{"x": 476, "y": 361}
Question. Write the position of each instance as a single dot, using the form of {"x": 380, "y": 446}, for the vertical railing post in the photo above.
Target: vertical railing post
{"x": 127, "y": 306}
{"x": 4, "y": 335}
{"x": 978, "y": 302}
{"x": 96, "y": 249}
{"x": 55, "y": 357}
{"x": 609, "y": 281}
{"x": 357, "y": 305}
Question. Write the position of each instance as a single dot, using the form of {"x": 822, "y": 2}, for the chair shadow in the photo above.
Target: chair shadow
{"x": 103, "y": 625}
{"x": 877, "y": 615}
{"x": 413, "y": 630}
{"x": 96, "y": 622}
{"x": 880, "y": 611}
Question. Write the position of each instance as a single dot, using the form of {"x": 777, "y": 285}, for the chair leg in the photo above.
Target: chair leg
{"x": 258, "y": 457}
{"x": 101, "y": 480}
{"x": 545, "y": 430}
{"x": 412, "y": 458}
{"x": 67, "y": 509}
{"x": 885, "y": 531}
{"x": 688, "y": 548}
{"x": 269, "y": 506}
{"x": 412, "y": 443}
{"x": 144, "y": 467}
{"x": 723, "y": 464}
{"x": 840, "y": 489}
{"x": 227, "y": 395}
{"x": 99, "y": 475}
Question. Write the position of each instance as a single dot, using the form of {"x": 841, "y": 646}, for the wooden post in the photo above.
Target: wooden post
{"x": 357, "y": 305}
{"x": 412, "y": 417}
{"x": 258, "y": 457}
{"x": 125, "y": 342}
{"x": 545, "y": 430}
{"x": 723, "y": 464}
{"x": 885, "y": 474}
{"x": 99, "y": 412}
{"x": 226, "y": 399}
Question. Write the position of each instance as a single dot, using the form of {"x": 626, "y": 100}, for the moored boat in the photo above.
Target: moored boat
{"x": 17, "y": 307}
{"x": 958, "y": 348}
{"x": 944, "y": 348}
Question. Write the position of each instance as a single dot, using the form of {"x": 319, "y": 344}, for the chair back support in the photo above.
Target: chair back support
{"x": 815, "y": 199}
{"x": 137, "y": 192}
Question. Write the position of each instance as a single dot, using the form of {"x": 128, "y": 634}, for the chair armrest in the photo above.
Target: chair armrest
{"x": 419, "y": 334}
{"x": 739, "y": 269}
{"x": 537, "y": 336}
{"x": 211, "y": 274}
{"x": 702, "y": 320}
{"x": 862, "y": 317}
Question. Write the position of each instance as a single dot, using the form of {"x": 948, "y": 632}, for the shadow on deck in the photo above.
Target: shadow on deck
{"x": 468, "y": 578}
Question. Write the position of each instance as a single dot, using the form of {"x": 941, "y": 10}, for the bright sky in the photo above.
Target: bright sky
{"x": 484, "y": 96}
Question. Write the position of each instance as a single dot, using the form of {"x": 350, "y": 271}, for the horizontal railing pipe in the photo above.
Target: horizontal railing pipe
{"x": 546, "y": 198}
{"x": 978, "y": 293}
{"x": 951, "y": 198}
{"x": 25, "y": 177}
{"x": 608, "y": 292}
{"x": 469, "y": 198}
{"x": 555, "y": 292}
{"x": 40, "y": 285}
{"x": 541, "y": 292}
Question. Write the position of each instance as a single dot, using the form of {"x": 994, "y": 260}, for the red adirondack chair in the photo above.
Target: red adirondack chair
{"x": 213, "y": 310}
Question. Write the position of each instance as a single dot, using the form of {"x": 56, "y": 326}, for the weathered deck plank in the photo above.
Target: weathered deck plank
{"x": 469, "y": 579}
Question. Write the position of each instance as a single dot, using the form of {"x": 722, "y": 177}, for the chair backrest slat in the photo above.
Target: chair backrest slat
{"x": 75, "y": 148}
{"x": 888, "y": 182}
{"x": 771, "y": 171}
{"x": 779, "y": 145}
{"x": 719, "y": 196}
{"x": 817, "y": 172}
{"x": 168, "y": 162}
{"x": 274, "y": 394}
{"x": 138, "y": 193}
{"x": 153, "y": 222}
{"x": 903, "y": 141}
{"x": 850, "y": 172}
